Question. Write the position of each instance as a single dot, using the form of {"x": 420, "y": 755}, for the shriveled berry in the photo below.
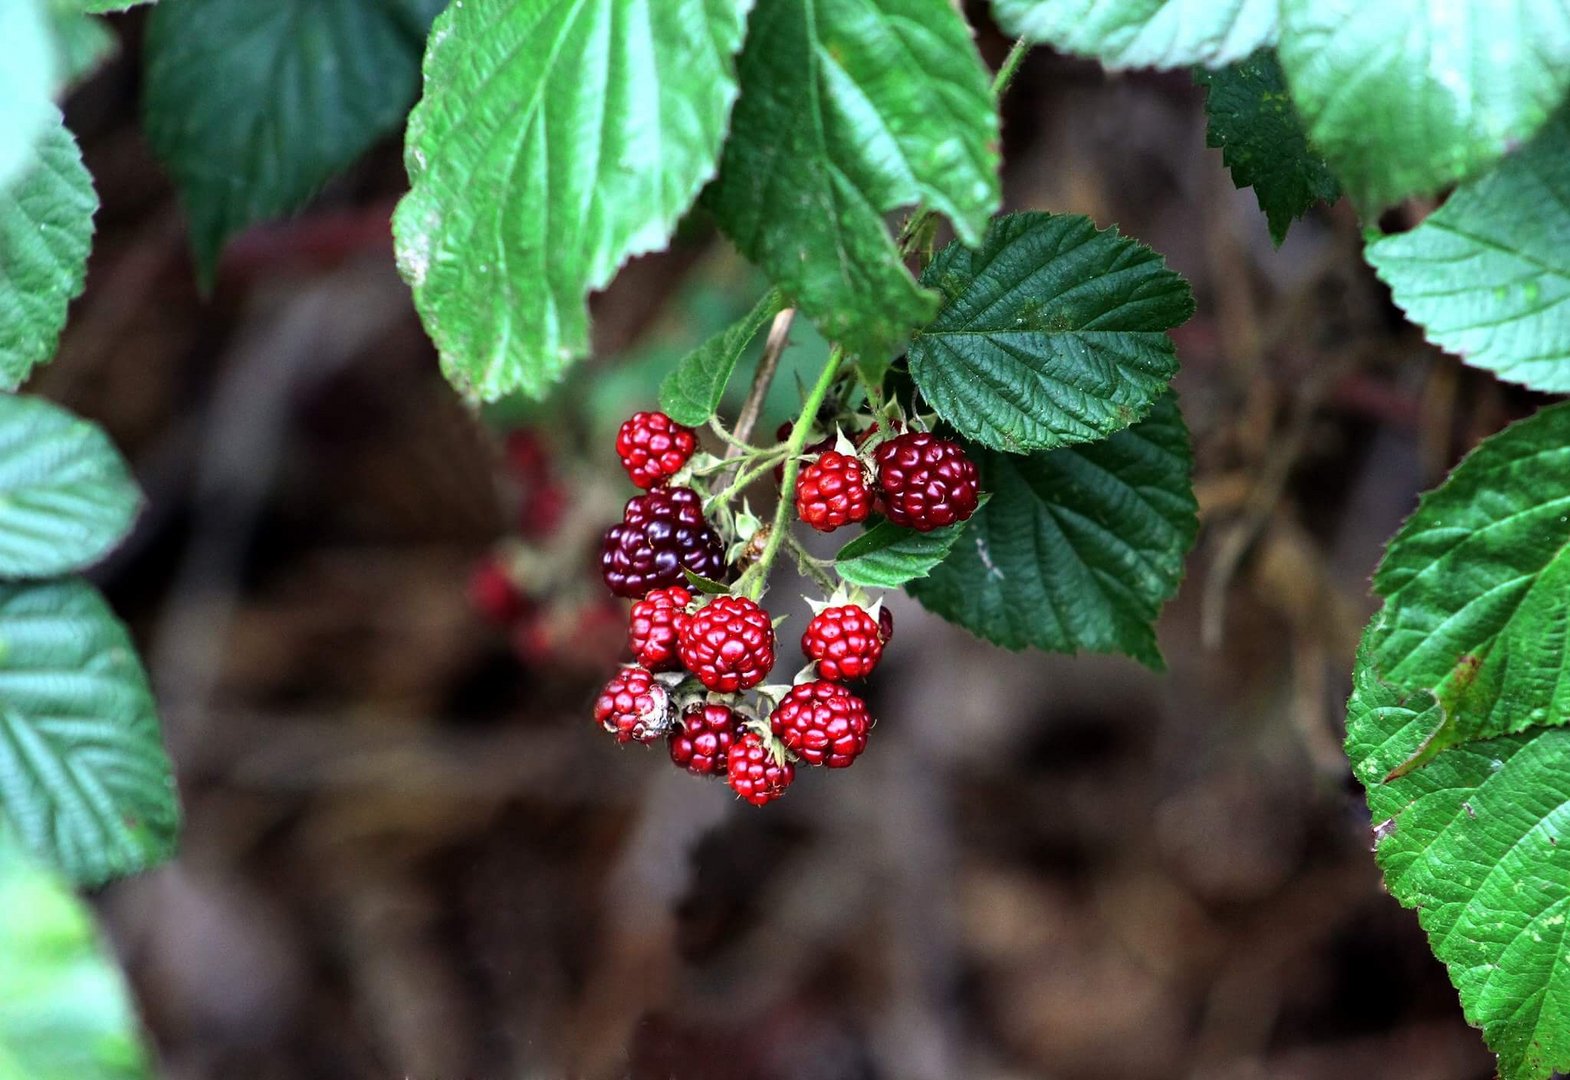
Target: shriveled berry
{"x": 845, "y": 641}
{"x": 728, "y": 644}
{"x": 822, "y": 723}
{"x": 634, "y": 706}
{"x": 660, "y": 534}
{"x": 494, "y": 594}
{"x": 885, "y": 625}
{"x": 653, "y": 448}
{"x": 832, "y": 491}
{"x": 703, "y": 739}
{"x": 926, "y": 482}
{"x": 653, "y": 626}
{"x": 753, "y": 773}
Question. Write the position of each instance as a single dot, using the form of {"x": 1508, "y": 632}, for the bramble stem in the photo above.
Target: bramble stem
{"x": 793, "y": 445}
{"x": 768, "y": 364}
{"x": 765, "y": 462}
{"x": 811, "y": 566}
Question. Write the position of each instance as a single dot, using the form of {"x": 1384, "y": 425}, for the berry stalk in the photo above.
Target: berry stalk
{"x": 793, "y": 448}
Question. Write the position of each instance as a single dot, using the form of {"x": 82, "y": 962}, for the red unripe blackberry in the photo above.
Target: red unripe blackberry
{"x": 728, "y": 644}
{"x": 925, "y": 482}
{"x": 752, "y": 772}
{"x": 832, "y": 491}
{"x": 494, "y": 594}
{"x": 845, "y": 641}
{"x": 703, "y": 739}
{"x": 660, "y": 534}
{"x": 634, "y": 706}
{"x": 653, "y": 627}
{"x": 822, "y": 723}
{"x": 653, "y": 448}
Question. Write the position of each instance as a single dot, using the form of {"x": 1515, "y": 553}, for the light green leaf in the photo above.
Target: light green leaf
{"x": 65, "y": 1010}
{"x": 692, "y": 392}
{"x": 1144, "y": 33}
{"x": 1406, "y": 96}
{"x": 851, "y": 109}
{"x": 1079, "y": 547}
{"x": 82, "y": 42}
{"x": 1478, "y": 841}
{"x": 253, "y": 106}
{"x": 84, "y": 779}
{"x": 66, "y": 497}
{"x": 888, "y": 557}
{"x": 1261, "y": 138}
{"x": 1487, "y": 275}
{"x": 104, "y": 7}
{"x": 1477, "y": 590}
{"x": 554, "y": 142}
{"x": 46, "y": 229}
{"x": 1051, "y": 333}
{"x": 27, "y": 78}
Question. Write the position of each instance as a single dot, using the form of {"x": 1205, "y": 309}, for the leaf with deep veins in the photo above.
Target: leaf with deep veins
{"x": 556, "y": 139}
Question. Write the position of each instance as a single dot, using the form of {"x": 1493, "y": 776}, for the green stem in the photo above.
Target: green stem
{"x": 765, "y": 462}
{"x": 793, "y": 448}
{"x": 810, "y": 566}
{"x": 1009, "y": 68}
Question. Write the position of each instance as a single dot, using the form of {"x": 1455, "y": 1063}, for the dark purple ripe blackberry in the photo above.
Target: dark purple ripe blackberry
{"x": 661, "y": 534}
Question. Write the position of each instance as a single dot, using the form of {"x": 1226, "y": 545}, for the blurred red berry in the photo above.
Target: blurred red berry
{"x": 494, "y": 595}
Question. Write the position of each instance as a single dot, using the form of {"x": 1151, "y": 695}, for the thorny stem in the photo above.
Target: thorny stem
{"x": 736, "y": 446}
{"x": 768, "y": 364}
{"x": 793, "y": 448}
{"x": 747, "y": 478}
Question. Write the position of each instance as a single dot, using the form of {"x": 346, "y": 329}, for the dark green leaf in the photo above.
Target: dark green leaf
{"x": 887, "y": 556}
{"x": 1406, "y": 96}
{"x": 46, "y": 229}
{"x": 1478, "y": 841}
{"x": 554, "y": 141}
{"x": 1261, "y": 139}
{"x": 1477, "y": 590}
{"x": 851, "y": 109}
{"x": 1487, "y": 275}
{"x": 65, "y": 1010}
{"x": 253, "y": 106}
{"x": 1079, "y": 547}
{"x": 1144, "y": 33}
{"x": 66, "y": 497}
{"x": 692, "y": 392}
{"x": 84, "y": 779}
{"x": 1051, "y": 333}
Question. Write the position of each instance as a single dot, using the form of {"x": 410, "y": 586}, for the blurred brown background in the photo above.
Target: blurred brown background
{"x": 410, "y": 854}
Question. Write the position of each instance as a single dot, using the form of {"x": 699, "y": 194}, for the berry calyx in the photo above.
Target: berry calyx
{"x": 654, "y": 625}
{"x": 634, "y": 706}
{"x": 822, "y": 723}
{"x": 753, "y": 772}
{"x": 653, "y": 448}
{"x": 728, "y": 644}
{"x": 925, "y": 482}
{"x": 847, "y": 642}
{"x": 704, "y": 738}
{"x": 832, "y": 491}
{"x": 660, "y": 535}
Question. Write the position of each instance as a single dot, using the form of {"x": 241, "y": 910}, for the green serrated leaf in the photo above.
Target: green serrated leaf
{"x": 253, "y": 106}
{"x": 27, "y": 78}
{"x": 84, "y": 779}
{"x": 1487, "y": 275}
{"x": 1079, "y": 547}
{"x": 1477, "y": 590}
{"x": 1144, "y": 33}
{"x": 66, "y": 496}
{"x": 1051, "y": 333}
{"x": 554, "y": 142}
{"x": 1407, "y": 96}
{"x": 888, "y": 557}
{"x": 851, "y": 109}
{"x": 46, "y": 229}
{"x": 1478, "y": 842}
{"x": 1261, "y": 138}
{"x": 692, "y": 392}
{"x": 65, "y": 1010}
